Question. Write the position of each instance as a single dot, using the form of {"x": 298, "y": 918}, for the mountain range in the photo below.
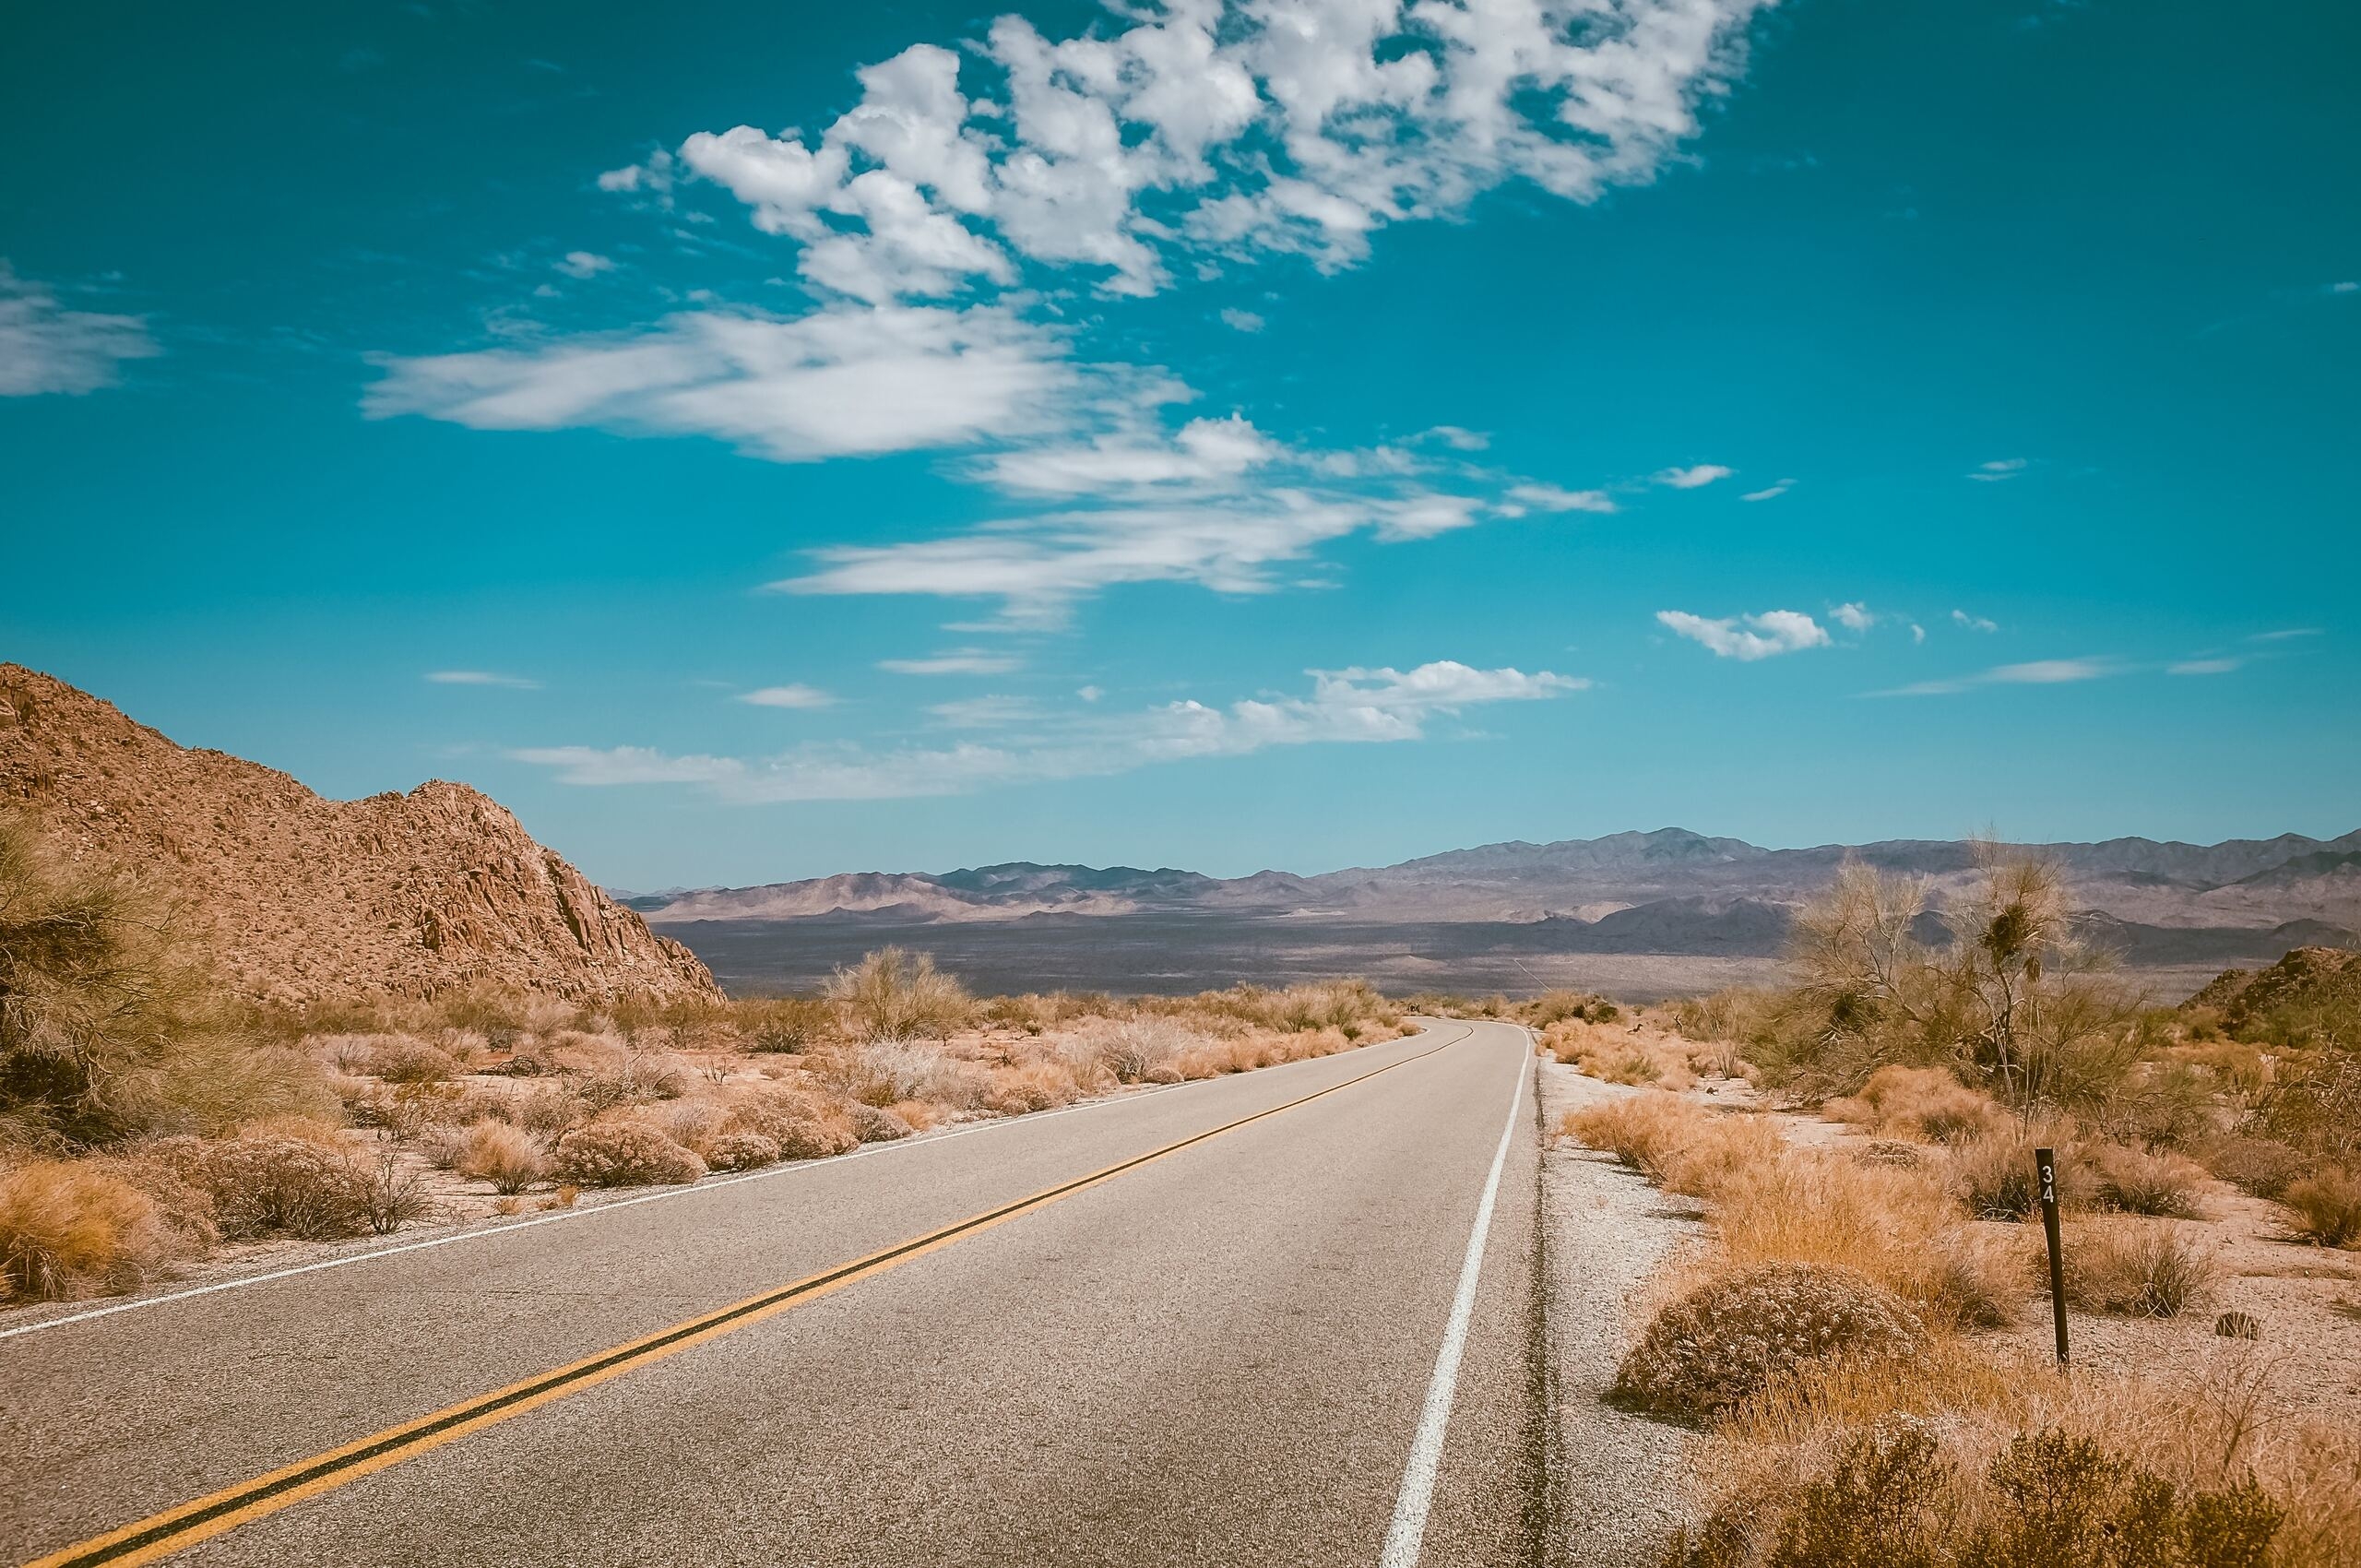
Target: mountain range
{"x": 1672, "y": 885}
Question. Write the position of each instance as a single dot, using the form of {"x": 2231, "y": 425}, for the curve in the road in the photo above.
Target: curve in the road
{"x": 162, "y": 1535}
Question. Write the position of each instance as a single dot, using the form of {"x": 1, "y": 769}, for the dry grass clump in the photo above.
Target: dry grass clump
{"x": 2019, "y": 1445}
{"x": 2048, "y": 1499}
{"x": 68, "y": 1230}
{"x": 882, "y": 1072}
{"x": 512, "y": 1160}
{"x": 2135, "y": 1270}
{"x": 2327, "y": 1207}
{"x": 1642, "y": 1131}
{"x": 108, "y": 1028}
{"x": 1719, "y": 1344}
{"x": 876, "y": 1124}
{"x": 1617, "y": 1057}
{"x": 1925, "y": 1103}
{"x": 2261, "y": 1166}
{"x": 624, "y": 1154}
{"x": 2130, "y": 1181}
{"x": 1139, "y": 1051}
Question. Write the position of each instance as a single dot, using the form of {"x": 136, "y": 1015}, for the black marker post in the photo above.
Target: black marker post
{"x": 2045, "y": 1164}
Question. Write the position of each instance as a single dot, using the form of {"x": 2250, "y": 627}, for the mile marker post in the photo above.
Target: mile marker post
{"x": 2045, "y": 1164}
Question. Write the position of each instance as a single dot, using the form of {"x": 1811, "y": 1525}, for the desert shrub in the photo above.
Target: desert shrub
{"x": 2313, "y": 1104}
{"x": 624, "y": 1154}
{"x": 2132, "y": 1182}
{"x": 2260, "y": 1166}
{"x": 2065, "y": 1501}
{"x": 882, "y": 1072}
{"x": 739, "y": 1151}
{"x": 1036, "y": 1086}
{"x": 2049, "y": 1499}
{"x": 393, "y": 1195}
{"x": 786, "y": 1026}
{"x": 636, "y": 1079}
{"x": 875, "y": 1125}
{"x": 1996, "y": 1177}
{"x": 801, "y": 1125}
{"x": 108, "y": 1028}
{"x": 510, "y": 1160}
{"x": 2327, "y": 1207}
{"x": 1920, "y": 1102}
{"x": 895, "y": 996}
{"x": 68, "y": 1230}
{"x": 2166, "y": 1105}
{"x": 405, "y": 1059}
{"x": 1133, "y": 1047}
{"x": 441, "y": 1145}
{"x": 1718, "y": 1344}
{"x": 548, "y": 1109}
{"x": 280, "y": 1183}
{"x": 2013, "y": 1002}
{"x": 2133, "y": 1270}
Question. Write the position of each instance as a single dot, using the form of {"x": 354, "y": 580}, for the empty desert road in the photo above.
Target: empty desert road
{"x": 1226, "y": 1354}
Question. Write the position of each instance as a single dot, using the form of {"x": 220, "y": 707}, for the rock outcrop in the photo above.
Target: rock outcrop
{"x": 297, "y": 898}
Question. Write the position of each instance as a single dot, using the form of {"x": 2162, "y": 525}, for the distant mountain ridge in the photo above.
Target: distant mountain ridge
{"x": 1671, "y": 890}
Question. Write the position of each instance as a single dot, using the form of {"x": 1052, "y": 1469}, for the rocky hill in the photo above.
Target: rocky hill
{"x": 2308, "y": 979}
{"x": 299, "y": 899}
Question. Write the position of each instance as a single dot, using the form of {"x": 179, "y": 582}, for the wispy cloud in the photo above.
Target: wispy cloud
{"x": 46, "y": 348}
{"x": 1241, "y": 320}
{"x": 1352, "y": 706}
{"x": 1695, "y": 478}
{"x": 1853, "y": 617}
{"x": 957, "y": 661}
{"x": 1999, "y": 469}
{"x": 1770, "y": 493}
{"x": 482, "y": 678}
{"x": 2288, "y": 634}
{"x": 2037, "y": 672}
{"x": 2203, "y": 666}
{"x": 1748, "y": 637}
{"x": 986, "y": 712}
{"x": 1554, "y": 498}
{"x": 1973, "y": 623}
{"x": 793, "y": 695}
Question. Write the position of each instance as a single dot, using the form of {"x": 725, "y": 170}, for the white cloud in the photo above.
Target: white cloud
{"x": 1241, "y": 320}
{"x": 482, "y": 678}
{"x": 1693, "y": 478}
{"x": 986, "y": 712}
{"x": 1918, "y": 633}
{"x": 46, "y": 348}
{"x": 1352, "y": 706}
{"x": 848, "y": 381}
{"x": 1770, "y": 493}
{"x": 793, "y": 695}
{"x": 2203, "y": 666}
{"x": 1463, "y": 439}
{"x": 1748, "y": 637}
{"x": 1853, "y": 617}
{"x": 1091, "y": 694}
{"x": 1039, "y": 566}
{"x": 2037, "y": 672}
{"x": 584, "y": 264}
{"x": 958, "y": 661}
{"x": 2288, "y": 634}
{"x": 1203, "y": 452}
{"x": 1974, "y": 622}
{"x": 1550, "y": 498}
{"x": 1236, "y": 127}
{"x": 1999, "y": 469}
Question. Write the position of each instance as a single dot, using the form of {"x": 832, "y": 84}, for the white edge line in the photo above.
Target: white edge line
{"x": 1408, "y": 1530}
{"x": 797, "y": 1167}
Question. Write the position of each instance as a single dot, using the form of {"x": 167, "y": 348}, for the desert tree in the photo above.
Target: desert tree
{"x": 896, "y": 995}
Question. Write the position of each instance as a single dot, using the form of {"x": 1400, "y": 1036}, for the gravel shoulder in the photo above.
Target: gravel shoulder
{"x": 1617, "y": 1475}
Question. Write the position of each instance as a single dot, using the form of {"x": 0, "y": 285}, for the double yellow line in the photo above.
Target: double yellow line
{"x": 160, "y": 1535}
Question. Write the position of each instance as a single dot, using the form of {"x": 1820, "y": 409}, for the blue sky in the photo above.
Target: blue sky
{"x": 789, "y": 439}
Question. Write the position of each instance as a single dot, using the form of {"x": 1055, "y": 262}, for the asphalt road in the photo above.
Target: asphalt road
{"x": 1227, "y": 1354}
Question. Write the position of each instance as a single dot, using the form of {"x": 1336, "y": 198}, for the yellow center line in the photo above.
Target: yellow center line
{"x": 174, "y": 1530}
